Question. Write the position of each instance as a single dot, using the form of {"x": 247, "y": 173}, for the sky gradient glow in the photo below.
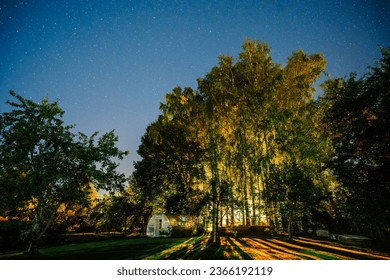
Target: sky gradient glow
{"x": 110, "y": 63}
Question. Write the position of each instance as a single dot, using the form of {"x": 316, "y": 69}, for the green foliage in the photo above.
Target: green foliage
{"x": 356, "y": 118}
{"x": 291, "y": 185}
{"x": 43, "y": 164}
{"x": 247, "y": 115}
{"x": 171, "y": 168}
{"x": 117, "y": 211}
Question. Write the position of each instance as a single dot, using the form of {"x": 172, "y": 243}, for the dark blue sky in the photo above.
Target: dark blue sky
{"x": 111, "y": 62}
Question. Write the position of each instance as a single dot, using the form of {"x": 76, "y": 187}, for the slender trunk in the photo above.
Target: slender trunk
{"x": 215, "y": 178}
{"x": 215, "y": 230}
{"x": 36, "y": 237}
{"x": 227, "y": 216}
{"x": 274, "y": 216}
{"x": 246, "y": 205}
{"x": 245, "y": 190}
{"x": 259, "y": 190}
{"x": 242, "y": 199}
{"x": 215, "y": 203}
{"x": 289, "y": 227}
{"x": 215, "y": 211}
{"x": 232, "y": 216}
{"x": 253, "y": 198}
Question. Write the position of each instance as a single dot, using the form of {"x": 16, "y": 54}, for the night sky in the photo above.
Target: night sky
{"x": 110, "y": 63}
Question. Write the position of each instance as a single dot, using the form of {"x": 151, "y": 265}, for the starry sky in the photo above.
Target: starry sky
{"x": 110, "y": 63}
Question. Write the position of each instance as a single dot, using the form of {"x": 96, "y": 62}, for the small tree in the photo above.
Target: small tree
{"x": 43, "y": 164}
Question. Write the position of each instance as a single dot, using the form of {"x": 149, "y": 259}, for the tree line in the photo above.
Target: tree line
{"x": 249, "y": 146}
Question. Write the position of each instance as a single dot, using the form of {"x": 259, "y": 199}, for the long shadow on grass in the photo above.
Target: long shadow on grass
{"x": 202, "y": 248}
{"x": 244, "y": 255}
{"x": 287, "y": 250}
{"x": 313, "y": 249}
{"x": 224, "y": 249}
{"x": 347, "y": 253}
{"x": 178, "y": 251}
{"x": 268, "y": 250}
{"x": 198, "y": 248}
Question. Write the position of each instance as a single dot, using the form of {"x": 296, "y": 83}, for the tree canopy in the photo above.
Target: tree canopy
{"x": 265, "y": 152}
{"x": 44, "y": 164}
{"x": 355, "y": 116}
{"x": 246, "y": 115}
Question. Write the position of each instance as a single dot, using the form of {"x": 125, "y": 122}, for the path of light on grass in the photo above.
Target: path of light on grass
{"x": 364, "y": 255}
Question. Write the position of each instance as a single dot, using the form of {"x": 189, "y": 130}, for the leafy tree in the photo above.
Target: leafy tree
{"x": 356, "y": 118}
{"x": 260, "y": 114}
{"x": 292, "y": 186}
{"x": 45, "y": 165}
{"x": 169, "y": 172}
{"x": 246, "y": 115}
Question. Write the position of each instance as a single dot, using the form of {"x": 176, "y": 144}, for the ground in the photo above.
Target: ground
{"x": 194, "y": 248}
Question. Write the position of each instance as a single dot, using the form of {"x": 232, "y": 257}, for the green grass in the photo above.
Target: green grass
{"x": 191, "y": 248}
{"x": 132, "y": 248}
{"x": 317, "y": 254}
{"x": 135, "y": 248}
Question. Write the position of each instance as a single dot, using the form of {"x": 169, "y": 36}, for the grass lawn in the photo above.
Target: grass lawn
{"x": 251, "y": 247}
